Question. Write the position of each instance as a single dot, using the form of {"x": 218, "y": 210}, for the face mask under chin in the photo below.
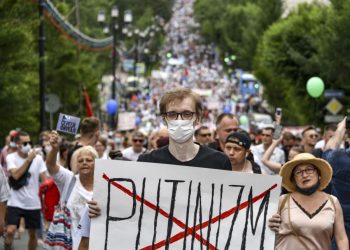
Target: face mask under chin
{"x": 310, "y": 190}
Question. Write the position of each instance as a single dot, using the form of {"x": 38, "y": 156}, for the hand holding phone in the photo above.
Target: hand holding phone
{"x": 278, "y": 132}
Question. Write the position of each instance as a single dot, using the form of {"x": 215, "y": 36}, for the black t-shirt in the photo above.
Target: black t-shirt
{"x": 205, "y": 158}
{"x": 215, "y": 145}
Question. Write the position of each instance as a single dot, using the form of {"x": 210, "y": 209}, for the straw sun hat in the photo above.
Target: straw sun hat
{"x": 323, "y": 167}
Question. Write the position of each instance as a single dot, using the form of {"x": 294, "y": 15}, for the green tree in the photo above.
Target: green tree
{"x": 288, "y": 55}
{"x": 19, "y": 106}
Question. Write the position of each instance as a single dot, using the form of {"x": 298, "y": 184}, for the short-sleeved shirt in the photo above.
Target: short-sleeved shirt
{"x": 26, "y": 197}
{"x": 277, "y": 156}
{"x": 205, "y": 158}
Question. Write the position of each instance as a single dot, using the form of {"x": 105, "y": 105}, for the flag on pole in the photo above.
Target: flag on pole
{"x": 88, "y": 104}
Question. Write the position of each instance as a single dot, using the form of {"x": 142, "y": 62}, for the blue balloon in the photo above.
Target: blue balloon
{"x": 227, "y": 109}
{"x": 112, "y": 107}
{"x": 137, "y": 120}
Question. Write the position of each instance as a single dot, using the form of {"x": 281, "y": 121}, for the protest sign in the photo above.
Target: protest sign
{"x": 126, "y": 121}
{"x": 158, "y": 206}
{"x": 68, "y": 124}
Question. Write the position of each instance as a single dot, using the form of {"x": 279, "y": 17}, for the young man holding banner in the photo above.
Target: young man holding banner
{"x": 182, "y": 110}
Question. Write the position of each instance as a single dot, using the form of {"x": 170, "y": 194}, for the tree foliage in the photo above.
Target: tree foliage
{"x": 68, "y": 68}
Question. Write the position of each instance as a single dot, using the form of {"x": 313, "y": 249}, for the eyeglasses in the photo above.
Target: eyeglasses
{"x": 138, "y": 140}
{"x": 299, "y": 173}
{"x": 26, "y": 143}
{"x": 186, "y": 115}
{"x": 313, "y": 136}
{"x": 205, "y": 135}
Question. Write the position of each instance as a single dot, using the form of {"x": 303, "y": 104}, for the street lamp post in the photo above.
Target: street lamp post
{"x": 41, "y": 49}
{"x": 101, "y": 18}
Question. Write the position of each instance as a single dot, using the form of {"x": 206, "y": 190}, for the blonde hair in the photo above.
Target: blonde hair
{"x": 86, "y": 149}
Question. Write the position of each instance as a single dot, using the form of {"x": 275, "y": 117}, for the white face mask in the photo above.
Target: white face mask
{"x": 26, "y": 149}
{"x": 180, "y": 130}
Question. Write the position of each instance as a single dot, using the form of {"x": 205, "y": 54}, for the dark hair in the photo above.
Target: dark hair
{"x": 102, "y": 140}
{"x": 196, "y": 132}
{"x": 89, "y": 125}
{"x": 19, "y": 134}
{"x": 288, "y": 136}
{"x": 180, "y": 94}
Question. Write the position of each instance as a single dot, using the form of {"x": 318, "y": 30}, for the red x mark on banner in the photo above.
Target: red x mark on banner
{"x": 182, "y": 225}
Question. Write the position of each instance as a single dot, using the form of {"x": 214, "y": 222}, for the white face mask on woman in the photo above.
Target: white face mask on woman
{"x": 180, "y": 130}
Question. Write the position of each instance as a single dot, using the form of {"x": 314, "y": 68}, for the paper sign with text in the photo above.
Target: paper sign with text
{"x": 68, "y": 124}
{"x": 158, "y": 206}
{"x": 126, "y": 121}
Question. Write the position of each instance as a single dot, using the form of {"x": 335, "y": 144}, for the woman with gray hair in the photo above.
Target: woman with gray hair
{"x": 84, "y": 180}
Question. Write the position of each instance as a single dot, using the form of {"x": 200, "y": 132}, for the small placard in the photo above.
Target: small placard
{"x": 68, "y": 124}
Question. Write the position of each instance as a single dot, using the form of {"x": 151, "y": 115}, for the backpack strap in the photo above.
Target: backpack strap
{"x": 69, "y": 190}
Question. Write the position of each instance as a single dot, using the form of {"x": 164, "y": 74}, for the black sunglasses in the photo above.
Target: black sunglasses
{"x": 138, "y": 140}
{"x": 26, "y": 143}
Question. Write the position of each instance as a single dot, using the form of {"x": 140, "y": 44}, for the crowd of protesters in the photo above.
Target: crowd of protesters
{"x": 182, "y": 128}
{"x": 227, "y": 147}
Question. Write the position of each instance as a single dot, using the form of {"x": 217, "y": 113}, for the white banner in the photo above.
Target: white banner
{"x": 126, "y": 121}
{"x": 158, "y": 206}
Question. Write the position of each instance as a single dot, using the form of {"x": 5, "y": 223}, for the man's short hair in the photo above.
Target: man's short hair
{"x": 180, "y": 94}
{"x": 198, "y": 130}
{"x": 288, "y": 136}
{"x": 307, "y": 129}
{"x": 222, "y": 116}
{"x": 89, "y": 125}
{"x": 19, "y": 134}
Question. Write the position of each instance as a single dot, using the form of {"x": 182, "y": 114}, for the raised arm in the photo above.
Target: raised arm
{"x": 274, "y": 166}
{"x": 338, "y": 136}
{"x": 51, "y": 158}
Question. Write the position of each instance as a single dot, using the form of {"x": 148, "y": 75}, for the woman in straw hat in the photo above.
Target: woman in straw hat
{"x": 309, "y": 218}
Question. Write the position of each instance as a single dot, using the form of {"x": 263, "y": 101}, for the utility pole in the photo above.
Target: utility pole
{"x": 42, "y": 83}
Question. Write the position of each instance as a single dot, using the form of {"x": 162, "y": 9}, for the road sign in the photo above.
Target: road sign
{"x": 333, "y": 93}
{"x": 334, "y": 106}
{"x": 333, "y": 118}
{"x": 52, "y": 103}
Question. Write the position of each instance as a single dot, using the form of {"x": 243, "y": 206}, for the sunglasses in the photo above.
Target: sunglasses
{"x": 138, "y": 140}
{"x": 26, "y": 143}
{"x": 205, "y": 135}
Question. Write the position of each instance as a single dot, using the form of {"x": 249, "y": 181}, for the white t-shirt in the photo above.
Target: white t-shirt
{"x": 84, "y": 224}
{"x": 76, "y": 202}
{"x": 277, "y": 156}
{"x": 26, "y": 197}
{"x": 131, "y": 154}
{"x": 4, "y": 187}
